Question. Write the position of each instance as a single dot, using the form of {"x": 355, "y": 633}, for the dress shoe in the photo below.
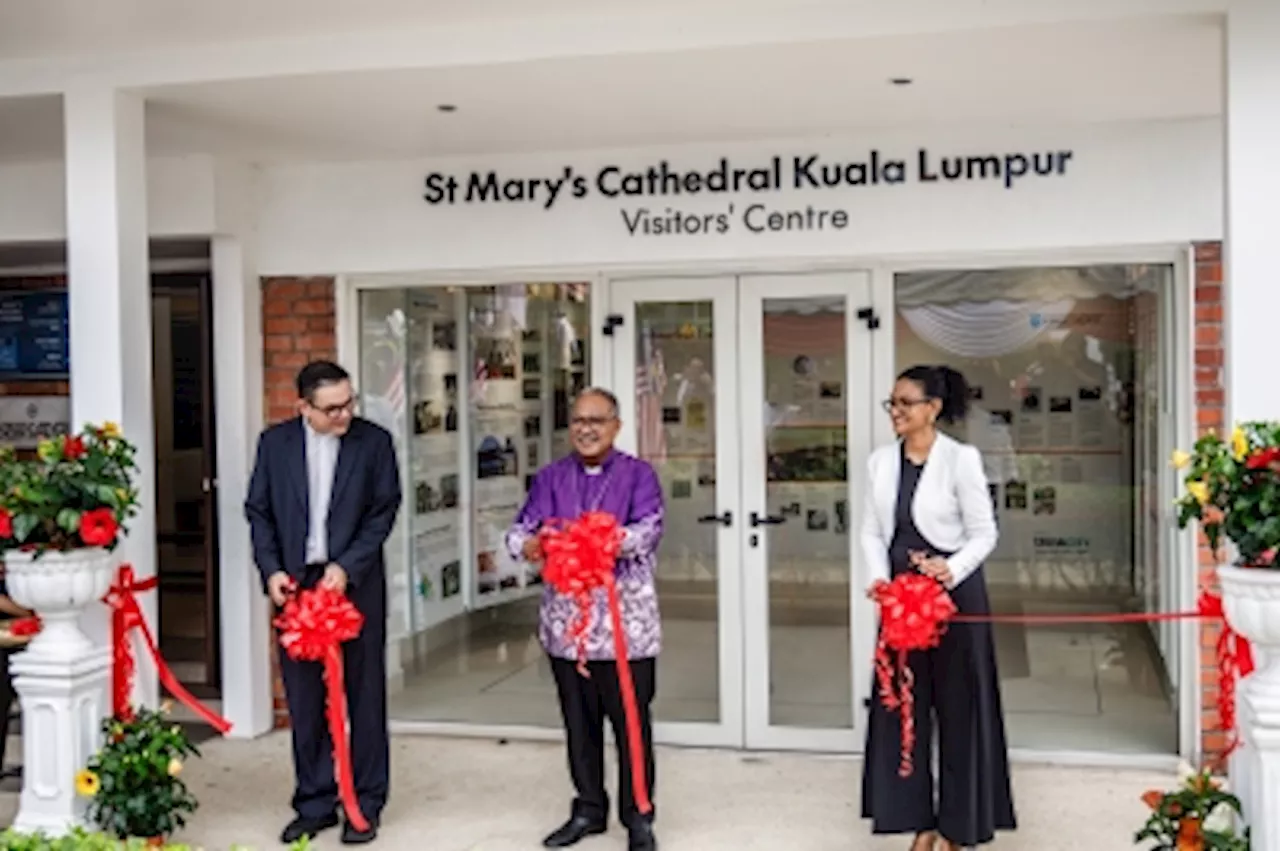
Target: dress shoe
{"x": 640, "y": 837}
{"x": 574, "y": 831}
{"x": 352, "y": 836}
{"x": 309, "y": 827}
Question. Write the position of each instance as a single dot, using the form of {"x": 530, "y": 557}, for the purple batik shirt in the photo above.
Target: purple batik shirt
{"x": 627, "y": 488}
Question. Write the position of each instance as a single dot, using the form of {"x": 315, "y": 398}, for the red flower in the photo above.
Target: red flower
{"x": 73, "y": 448}
{"x": 24, "y": 627}
{"x": 98, "y": 527}
{"x": 1263, "y": 458}
{"x": 6, "y": 524}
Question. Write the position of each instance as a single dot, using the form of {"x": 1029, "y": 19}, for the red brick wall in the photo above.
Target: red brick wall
{"x": 1210, "y": 387}
{"x": 297, "y": 327}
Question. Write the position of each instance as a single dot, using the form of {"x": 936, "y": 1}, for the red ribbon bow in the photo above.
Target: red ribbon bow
{"x": 580, "y": 558}
{"x": 126, "y": 616}
{"x": 1235, "y": 661}
{"x": 313, "y": 626}
{"x": 914, "y": 611}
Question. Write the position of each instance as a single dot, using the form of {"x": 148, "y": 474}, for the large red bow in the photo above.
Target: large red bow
{"x": 580, "y": 558}
{"x": 1235, "y": 661}
{"x": 914, "y": 610}
{"x": 126, "y": 616}
{"x": 313, "y": 627}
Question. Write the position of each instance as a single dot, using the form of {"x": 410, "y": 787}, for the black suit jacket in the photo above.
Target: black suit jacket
{"x": 362, "y": 510}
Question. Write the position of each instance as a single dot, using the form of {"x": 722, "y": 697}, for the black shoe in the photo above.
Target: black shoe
{"x": 574, "y": 831}
{"x": 351, "y": 836}
{"x": 640, "y": 837}
{"x": 309, "y": 827}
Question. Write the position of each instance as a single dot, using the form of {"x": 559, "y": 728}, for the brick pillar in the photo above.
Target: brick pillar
{"x": 297, "y": 327}
{"x": 1210, "y": 388}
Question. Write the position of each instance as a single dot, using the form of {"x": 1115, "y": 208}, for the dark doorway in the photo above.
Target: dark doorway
{"x": 186, "y": 479}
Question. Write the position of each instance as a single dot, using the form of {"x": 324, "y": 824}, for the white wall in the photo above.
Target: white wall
{"x": 180, "y": 199}
{"x": 1125, "y": 184}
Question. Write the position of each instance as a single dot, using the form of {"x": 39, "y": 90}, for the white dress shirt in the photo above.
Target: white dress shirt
{"x": 951, "y": 508}
{"x": 322, "y": 461}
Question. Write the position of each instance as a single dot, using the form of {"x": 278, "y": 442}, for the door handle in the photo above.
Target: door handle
{"x": 766, "y": 520}
{"x": 725, "y": 519}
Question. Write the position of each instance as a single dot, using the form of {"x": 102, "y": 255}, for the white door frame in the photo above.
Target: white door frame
{"x": 721, "y": 292}
{"x": 854, "y": 287}
{"x": 742, "y": 587}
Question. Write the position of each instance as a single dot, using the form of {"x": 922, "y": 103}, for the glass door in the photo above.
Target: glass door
{"x": 805, "y": 375}
{"x": 675, "y": 360}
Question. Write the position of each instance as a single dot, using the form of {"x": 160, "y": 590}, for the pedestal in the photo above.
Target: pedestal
{"x": 63, "y": 704}
{"x": 1251, "y": 598}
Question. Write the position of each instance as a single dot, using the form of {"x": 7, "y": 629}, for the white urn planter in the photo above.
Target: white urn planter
{"x": 61, "y": 680}
{"x": 1251, "y": 600}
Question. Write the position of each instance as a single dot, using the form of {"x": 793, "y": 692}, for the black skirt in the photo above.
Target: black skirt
{"x": 957, "y": 692}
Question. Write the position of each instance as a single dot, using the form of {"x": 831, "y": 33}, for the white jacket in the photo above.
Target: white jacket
{"x": 952, "y": 507}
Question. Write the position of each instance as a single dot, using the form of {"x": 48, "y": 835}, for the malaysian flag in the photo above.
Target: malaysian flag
{"x": 651, "y": 384}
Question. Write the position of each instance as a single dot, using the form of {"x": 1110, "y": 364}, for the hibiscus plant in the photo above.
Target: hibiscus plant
{"x": 1198, "y": 816}
{"x": 76, "y": 491}
{"x": 1233, "y": 491}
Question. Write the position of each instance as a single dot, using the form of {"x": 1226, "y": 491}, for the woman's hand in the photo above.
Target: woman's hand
{"x": 533, "y": 550}
{"x": 932, "y": 566}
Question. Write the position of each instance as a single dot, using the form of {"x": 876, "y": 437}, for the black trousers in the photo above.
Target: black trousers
{"x": 585, "y": 702}
{"x": 364, "y": 663}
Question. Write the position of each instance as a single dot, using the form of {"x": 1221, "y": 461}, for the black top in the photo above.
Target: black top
{"x": 906, "y": 537}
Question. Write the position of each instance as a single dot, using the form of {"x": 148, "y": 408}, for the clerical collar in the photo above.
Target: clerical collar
{"x": 597, "y": 469}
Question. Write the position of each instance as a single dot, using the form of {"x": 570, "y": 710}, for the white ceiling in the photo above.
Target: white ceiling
{"x": 1084, "y": 72}
{"x": 30, "y": 28}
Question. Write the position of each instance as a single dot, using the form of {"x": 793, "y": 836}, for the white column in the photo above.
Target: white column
{"x": 246, "y": 635}
{"x": 1252, "y": 296}
{"x": 63, "y": 700}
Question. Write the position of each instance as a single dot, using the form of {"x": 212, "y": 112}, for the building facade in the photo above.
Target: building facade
{"x": 745, "y": 225}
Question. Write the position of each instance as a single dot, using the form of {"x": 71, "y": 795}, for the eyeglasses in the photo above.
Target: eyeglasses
{"x": 334, "y": 412}
{"x": 591, "y": 422}
{"x": 902, "y": 404}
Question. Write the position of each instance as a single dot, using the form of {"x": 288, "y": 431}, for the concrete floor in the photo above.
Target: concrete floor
{"x": 480, "y": 795}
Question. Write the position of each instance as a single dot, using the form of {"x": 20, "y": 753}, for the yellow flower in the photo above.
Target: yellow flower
{"x": 110, "y": 429}
{"x": 1180, "y": 459}
{"x": 1239, "y": 444}
{"x": 87, "y": 783}
{"x": 1199, "y": 490}
{"x": 166, "y": 707}
{"x": 175, "y": 767}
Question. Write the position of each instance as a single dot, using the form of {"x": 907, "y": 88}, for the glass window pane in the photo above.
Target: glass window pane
{"x": 807, "y": 448}
{"x": 676, "y": 433}
{"x": 492, "y": 370}
{"x": 1066, "y": 367}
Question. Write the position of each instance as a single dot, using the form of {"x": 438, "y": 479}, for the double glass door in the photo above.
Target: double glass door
{"x": 752, "y": 398}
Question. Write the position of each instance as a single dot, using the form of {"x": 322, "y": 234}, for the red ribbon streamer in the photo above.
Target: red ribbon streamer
{"x": 126, "y": 616}
{"x": 580, "y": 558}
{"x": 313, "y": 626}
{"x": 915, "y": 611}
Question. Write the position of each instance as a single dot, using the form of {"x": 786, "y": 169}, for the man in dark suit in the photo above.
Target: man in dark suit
{"x": 322, "y": 500}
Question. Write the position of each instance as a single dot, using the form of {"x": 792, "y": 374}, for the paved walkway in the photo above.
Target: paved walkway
{"x": 479, "y": 795}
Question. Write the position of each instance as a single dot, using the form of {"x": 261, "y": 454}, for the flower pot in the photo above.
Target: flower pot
{"x": 58, "y": 586}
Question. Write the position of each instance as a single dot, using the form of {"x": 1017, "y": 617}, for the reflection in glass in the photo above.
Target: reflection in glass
{"x": 806, "y": 458}
{"x": 676, "y": 433}
{"x": 1067, "y": 366}
{"x": 474, "y": 384}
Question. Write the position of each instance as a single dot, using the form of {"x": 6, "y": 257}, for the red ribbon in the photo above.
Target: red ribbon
{"x": 313, "y": 626}
{"x": 915, "y": 611}
{"x": 25, "y": 627}
{"x": 580, "y": 558}
{"x": 126, "y": 616}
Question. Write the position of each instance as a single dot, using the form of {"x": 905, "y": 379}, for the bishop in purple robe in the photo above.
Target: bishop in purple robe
{"x": 597, "y": 477}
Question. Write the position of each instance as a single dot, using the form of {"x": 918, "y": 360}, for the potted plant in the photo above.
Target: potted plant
{"x": 61, "y": 514}
{"x": 134, "y": 783}
{"x": 1198, "y": 816}
{"x": 1233, "y": 492}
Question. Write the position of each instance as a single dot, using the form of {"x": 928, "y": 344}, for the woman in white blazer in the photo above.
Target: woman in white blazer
{"x": 928, "y": 509}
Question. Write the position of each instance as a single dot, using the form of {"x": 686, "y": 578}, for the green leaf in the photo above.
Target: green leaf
{"x": 24, "y": 525}
{"x": 69, "y": 520}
